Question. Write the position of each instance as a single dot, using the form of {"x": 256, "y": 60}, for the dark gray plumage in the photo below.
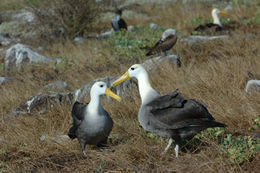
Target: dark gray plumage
{"x": 91, "y": 123}
{"x": 117, "y": 22}
{"x": 171, "y": 115}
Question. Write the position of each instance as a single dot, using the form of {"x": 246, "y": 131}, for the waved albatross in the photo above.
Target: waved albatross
{"x": 91, "y": 123}
{"x": 167, "y": 41}
{"x": 169, "y": 116}
{"x": 117, "y": 22}
{"x": 212, "y": 27}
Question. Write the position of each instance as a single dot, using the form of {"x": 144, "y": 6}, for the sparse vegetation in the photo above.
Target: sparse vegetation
{"x": 214, "y": 73}
{"x": 64, "y": 18}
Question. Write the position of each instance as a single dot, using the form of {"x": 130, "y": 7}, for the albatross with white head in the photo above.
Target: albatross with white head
{"x": 169, "y": 116}
{"x": 92, "y": 123}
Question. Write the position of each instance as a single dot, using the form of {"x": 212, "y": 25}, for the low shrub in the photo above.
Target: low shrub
{"x": 66, "y": 18}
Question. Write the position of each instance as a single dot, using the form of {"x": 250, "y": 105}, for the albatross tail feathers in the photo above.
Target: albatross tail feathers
{"x": 214, "y": 124}
{"x": 72, "y": 132}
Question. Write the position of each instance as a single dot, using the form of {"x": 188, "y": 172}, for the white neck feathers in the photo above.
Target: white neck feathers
{"x": 94, "y": 103}
{"x": 146, "y": 91}
{"x": 216, "y": 18}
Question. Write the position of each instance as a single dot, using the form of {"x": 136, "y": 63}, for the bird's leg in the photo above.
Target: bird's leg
{"x": 176, "y": 150}
{"x": 165, "y": 53}
{"x": 168, "y": 146}
{"x": 82, "y": 145}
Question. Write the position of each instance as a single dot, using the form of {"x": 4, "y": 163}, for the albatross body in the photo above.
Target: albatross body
{"x": 216, "y": 26}
{"x": 167, "y": 41}
{"x": 117, "y": 22}
{"x": 91, "y": 123}
{"x": 169, "y": 116}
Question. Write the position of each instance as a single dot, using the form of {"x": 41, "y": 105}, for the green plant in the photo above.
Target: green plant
{"x": 213, "y": 134}
{"x": 254, "y": 20}
{"x": 239, "y": 149}
{"x": 255, "y": 123}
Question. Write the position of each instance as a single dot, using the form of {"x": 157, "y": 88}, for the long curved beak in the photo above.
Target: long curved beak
{"x": 112, "y": 94}
{"x": 123, "y": 78}
{"x": 223, "y": 12}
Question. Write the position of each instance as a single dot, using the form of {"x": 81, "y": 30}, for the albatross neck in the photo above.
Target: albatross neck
{"x": 146, "y": 91}
{"x": 94, "y": 104}
{"x": 216, "y": 19}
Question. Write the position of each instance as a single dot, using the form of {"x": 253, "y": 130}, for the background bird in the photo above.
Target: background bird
{"x": 91, "y": 123}
{"x": 212, "y": 27}
{"x": 171, "y": 115}
{"x": 167, "y": 41}
{"x": 117, "y": 22}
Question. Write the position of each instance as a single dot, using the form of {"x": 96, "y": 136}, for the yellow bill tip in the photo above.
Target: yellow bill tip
{"x": 113, "y": 95}
{"x": 223, "y": 12}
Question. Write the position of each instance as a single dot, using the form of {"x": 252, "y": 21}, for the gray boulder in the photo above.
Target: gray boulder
{"x": 19, "y": 54}
{"x": 79, "y": 40}
{"x": 24, "y": 16}
{"x": 153, "y": 26}
{"x": 252, "y": 85}
{"x": 198, "y": 38}
{"x": 4, "y": 80}
{"x": 157, "y": 62}
{"x": 131, "y": 28}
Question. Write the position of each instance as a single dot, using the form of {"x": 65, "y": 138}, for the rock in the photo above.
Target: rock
{"x": 61, "y": 139}
{"x": 5, "y": 39}
{"x": 154, "y": 63}
{"x": 228, "y": 8}
{"x": 42, "y": 103}
{"x": 252, "y": 85}
{"x": 198, "y": 38}
{"x": 20, "y": 54}
{"x": 153, "y": 26}
{"x": 79, "y": 40}
{"x": 25, "y": 16}
{"x": 102, "y": 35}
{"x": 4, "y": 80}
{"x": 56, "y": 86}
{"x": 256, "y": 135}
{"x": 131, "y": 28}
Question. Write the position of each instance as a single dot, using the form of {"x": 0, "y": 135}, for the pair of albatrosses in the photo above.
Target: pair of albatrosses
{"x": 169, "y": 116}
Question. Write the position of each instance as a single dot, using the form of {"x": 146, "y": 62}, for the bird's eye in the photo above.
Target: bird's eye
{"x": 101, "y": 86}
{"x": 132, "y": 68}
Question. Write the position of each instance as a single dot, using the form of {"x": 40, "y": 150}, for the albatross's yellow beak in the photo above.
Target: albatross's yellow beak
{"x": 112, "y": 94}
{"x": 223, "y": 12}
{"x": 123, "y": 78}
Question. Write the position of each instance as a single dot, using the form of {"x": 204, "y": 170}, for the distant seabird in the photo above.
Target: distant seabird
{"x": 117, "y": 22}
{"x": 169, "y": 116}
{"x": 167, "y": 41}
{"x": 91, "y": 123}
{"x": 212, "y": 27}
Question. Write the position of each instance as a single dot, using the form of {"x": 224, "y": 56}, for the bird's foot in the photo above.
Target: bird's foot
{"x": 84, "y": 154}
